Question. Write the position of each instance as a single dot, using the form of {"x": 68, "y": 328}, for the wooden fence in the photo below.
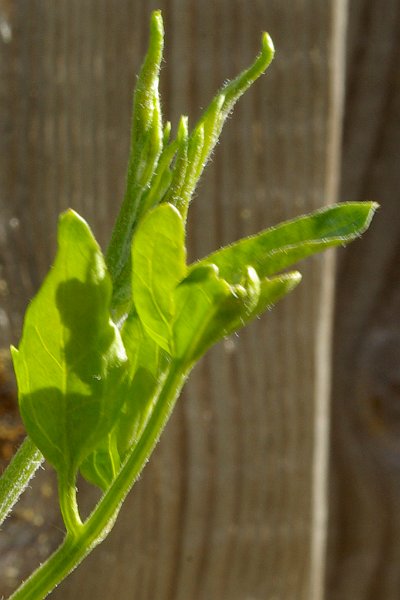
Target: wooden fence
{"x": 364, "y": 548}
{"x": 234, "y": 504}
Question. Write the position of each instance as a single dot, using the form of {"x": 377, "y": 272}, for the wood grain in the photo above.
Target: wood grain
{"x": 227, "y": 506}
{"x": 365, "y": 490}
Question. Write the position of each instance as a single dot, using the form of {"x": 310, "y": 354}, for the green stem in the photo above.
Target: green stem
{"x": 17, "y": 475}
{"x": 99, "y": 524}
{"x": 71, "y": 552}
{"x": 69, "y": 505}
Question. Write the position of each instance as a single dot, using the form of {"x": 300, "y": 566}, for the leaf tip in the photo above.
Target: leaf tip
{"x": 156, "y": 23}
{"x": 294, "y": 278}
{"x": 267, "y": 47}
{"x": 289, "y": 280}
{"x": 70, "y": 223}
{"x": 14, "y": 352}
{"x": 15, "y": 357}
{"x": 166, "y": 133}
{"x": 368, "y": 210}
{"x": 70, "y": 216}
{"x": 373, "y": 207}
{"x": 183, "y": 129}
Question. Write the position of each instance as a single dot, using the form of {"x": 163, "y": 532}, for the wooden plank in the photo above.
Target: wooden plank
{"x": 365, "y": 496}
{"x": 226, "y": 509}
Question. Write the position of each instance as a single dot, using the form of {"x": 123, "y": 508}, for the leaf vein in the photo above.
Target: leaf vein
{"x": 47, "y": 350}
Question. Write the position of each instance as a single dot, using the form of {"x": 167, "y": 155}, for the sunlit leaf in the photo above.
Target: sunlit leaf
{"x": 158, "y": 256}
{"x": 209, "y": 309}
{"x": 71, "y": 360}
{"x": 279, "y": 247}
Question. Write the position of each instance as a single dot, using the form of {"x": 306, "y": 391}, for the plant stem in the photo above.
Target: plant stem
{"x": 75, "y": 547}
{"x": 54, "y": 570}
{"x": 68, "y": 504}
{"x": 17, "y": 475}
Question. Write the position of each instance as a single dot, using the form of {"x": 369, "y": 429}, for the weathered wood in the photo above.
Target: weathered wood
{"x": 365, "y": 524}
{"x": 226, "y": 508}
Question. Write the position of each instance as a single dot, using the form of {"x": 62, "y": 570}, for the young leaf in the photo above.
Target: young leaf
{"x": 206, "y": 133}
{"x": 71, "y": 359}
{"x": 273, "y": 289}
{"x": 150, "y": 180}
{"x": 159, "y": 259}
{"x": 102, "y": 465}
{"x": 197, "y": 299}
{"x": 146, "y": 146}
{"x": 145, "y": 372}
{"x": 147, "y": 369}
{"x": 279, "y": 247}
{"x": 208, "y": 308}
{"x": 162, "y": 179}
{"x": 181, "y": 163}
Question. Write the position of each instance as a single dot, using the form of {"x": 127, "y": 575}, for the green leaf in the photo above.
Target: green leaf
{"x": 102, "y": 465}
{"x": 146, "y": 100}
{"x": 255, "y": 296}
{"x": 181, "y": 163}
{"x": 145, "y": 372}
{"x": 272, "y": 290}
{"x": 279, "y": 247}
{"x": 153, "y": 176}
{"x": 148, "y": 364}
{"x": 208, "y": 308}
{"x": 206, "y": 133}
{"x": 147, "y": 139}
{"x": 198, "y": 299}
{"x": 186, "y": 169}
{"x": 71, "y": 359}
{"x": 162, "y": 178}
{"x": 159, "y": 259}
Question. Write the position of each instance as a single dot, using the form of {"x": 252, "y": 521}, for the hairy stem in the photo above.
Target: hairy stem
{"x": 99, "y": 524}
{"x": 17, "y": 475}
{"x": 68, "y": 504}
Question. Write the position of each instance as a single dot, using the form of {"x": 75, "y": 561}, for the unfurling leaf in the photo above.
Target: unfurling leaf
{"x": 147, "y": 139}
{"x": 208, "y": 308}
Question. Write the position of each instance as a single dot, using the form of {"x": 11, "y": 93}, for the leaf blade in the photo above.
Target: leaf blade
{"x": 159, "y": 259}
{"x": 70, "y": 358}
{"x": 279, "y": 247}
{"x": 209, "y": 309}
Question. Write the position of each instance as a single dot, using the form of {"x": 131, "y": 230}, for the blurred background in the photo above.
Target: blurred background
{"x": 279, "y": 474}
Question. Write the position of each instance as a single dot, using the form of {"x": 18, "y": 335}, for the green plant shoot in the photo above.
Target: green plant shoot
{"x": 108, "y": 342}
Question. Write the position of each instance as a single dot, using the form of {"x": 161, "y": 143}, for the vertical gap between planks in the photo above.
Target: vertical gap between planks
{"x": 323, "y": 342}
